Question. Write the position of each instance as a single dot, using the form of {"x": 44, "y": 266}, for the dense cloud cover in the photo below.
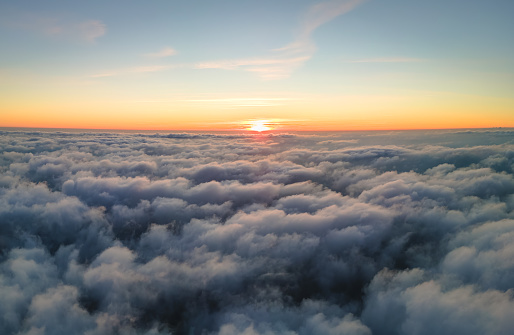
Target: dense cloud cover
{"x": 196, "y": 233}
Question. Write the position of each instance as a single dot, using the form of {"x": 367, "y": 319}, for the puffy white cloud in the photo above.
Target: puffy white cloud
{"x": 407, "y": 303}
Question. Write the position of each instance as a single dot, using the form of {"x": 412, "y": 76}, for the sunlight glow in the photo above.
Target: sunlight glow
{"x": 259, "y": 125}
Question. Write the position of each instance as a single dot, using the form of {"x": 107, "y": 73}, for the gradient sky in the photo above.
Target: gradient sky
{"x": 212, "y": 65}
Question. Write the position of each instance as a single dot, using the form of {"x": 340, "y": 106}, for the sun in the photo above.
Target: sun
{"x": 259, "y": 125}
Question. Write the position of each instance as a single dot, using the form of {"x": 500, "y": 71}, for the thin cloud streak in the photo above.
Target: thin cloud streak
{"x": 68, "y": 29}
{"x": 166, "y": 52}
{"x": 318, "y": 15}
{"x": 234, "y": 64}
{"x": 389, "y": 60}
{"x": 237, "y": 99}
{"x": 230, "y": 103}
{"x": 292, "y": 56}
{"x": 279, "y": 65}
{"x": 267, "y": 68}
{"x": 134, "y": 70}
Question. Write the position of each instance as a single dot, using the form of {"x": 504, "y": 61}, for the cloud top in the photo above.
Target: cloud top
{"x": 195, "y": 233}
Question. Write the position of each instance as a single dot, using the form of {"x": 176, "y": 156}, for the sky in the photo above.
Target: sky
{"x": 299, "y": 65}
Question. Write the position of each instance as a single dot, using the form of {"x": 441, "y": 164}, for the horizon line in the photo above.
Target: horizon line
{"x": 250, "y": 131}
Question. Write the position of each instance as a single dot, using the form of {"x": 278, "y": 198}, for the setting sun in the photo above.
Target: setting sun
{"x": 259, "y": 125}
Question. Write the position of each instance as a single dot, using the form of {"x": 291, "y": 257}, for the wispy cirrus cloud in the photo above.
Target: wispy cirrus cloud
{"x": 388, "y": 60}
{"x": 279, "y": 64}
{"x": 240, "y": 102}
{"x": 59, "y": 27}
{"x": 236, "y": 63}
{"x": 133, "y": 70}
{"x": 165, "y": 52}
{"x": 266, "y": 68}
{"x": 316, "y": 16}
{"x": 285, "y": 60}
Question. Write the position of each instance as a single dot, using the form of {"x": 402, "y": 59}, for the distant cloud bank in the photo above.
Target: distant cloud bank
{"x": 193, "y": 233}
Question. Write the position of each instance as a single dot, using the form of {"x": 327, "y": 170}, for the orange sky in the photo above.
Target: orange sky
{"x": 316, "y": 112}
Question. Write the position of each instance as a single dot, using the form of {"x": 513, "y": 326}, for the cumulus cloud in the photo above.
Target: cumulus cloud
{"x": 195, "y": 233}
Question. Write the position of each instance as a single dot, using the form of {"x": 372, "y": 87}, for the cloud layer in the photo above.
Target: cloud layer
{"x": 194, "y": 233}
